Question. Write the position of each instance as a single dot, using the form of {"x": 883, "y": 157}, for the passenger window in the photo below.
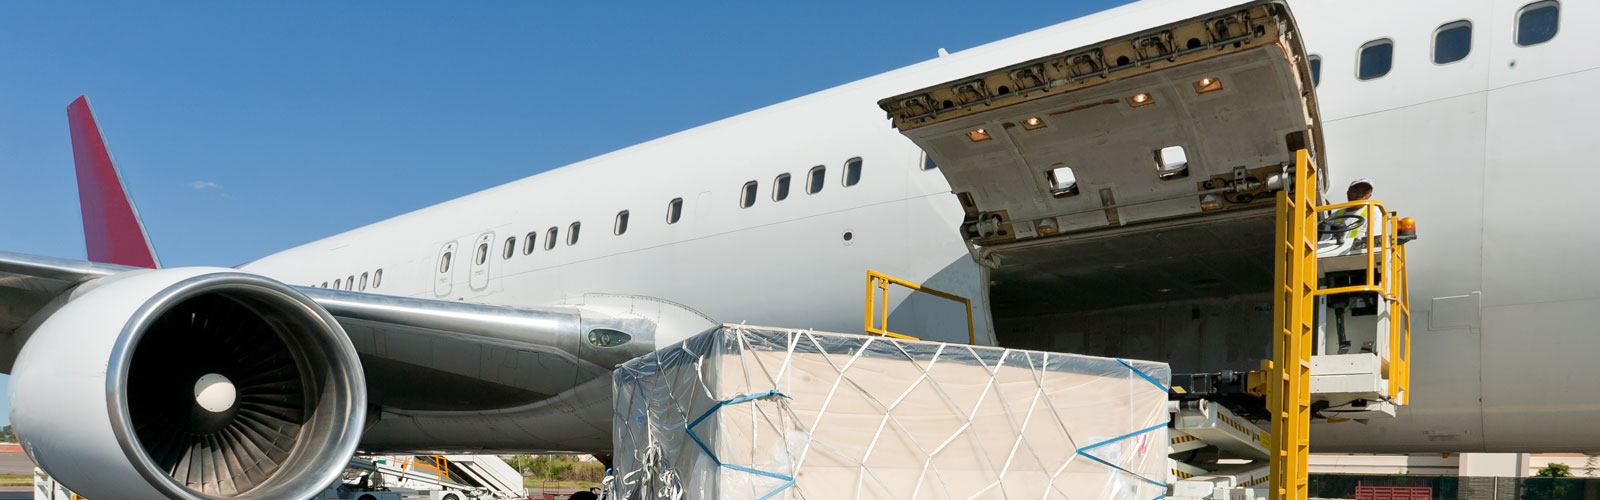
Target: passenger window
{"x": 527, "y": 242}
{"x": 621, "y": 226}
{"x": 747, "y": 195}
{"x": 1315, "y": 62}
{"x": 510, "y": 249}
{"x": 1375, "y": 59}
{"x": 674, "y": 210}
{"x": 572, "y": 233}
{"x": 336, "y": 284}
{"x": 483, "y": 254}
{"x": 1452, "y": 42}
{"x": 444, "y": 267}
{"x": 815, "y": 179}
{"x": 852, "y": 172}
{"x": 550, "y": 238}
{"x": 927, "y": 162}
{"x": 363, "y": 286}
{"x": 350, "y": 282}
{"x": 377, "y": 278}
{"x": 1537, "y": 22}
{"x": 780, "y": 187}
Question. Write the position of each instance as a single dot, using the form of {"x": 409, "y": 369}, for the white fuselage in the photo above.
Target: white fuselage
{"x": 1486, "y": 153}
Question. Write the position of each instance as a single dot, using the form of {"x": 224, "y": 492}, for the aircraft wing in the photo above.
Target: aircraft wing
{"x": 398, "y": 336}
{"x": 28, "y": 282}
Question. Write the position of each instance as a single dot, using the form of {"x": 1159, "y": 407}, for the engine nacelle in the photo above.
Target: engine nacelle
{"x": 189, "y": 383}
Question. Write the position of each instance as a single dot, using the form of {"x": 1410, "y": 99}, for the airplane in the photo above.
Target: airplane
{"x": 489, "y": 323}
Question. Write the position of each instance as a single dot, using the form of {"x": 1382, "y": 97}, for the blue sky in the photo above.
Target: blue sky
{"x": 243, "y": 128}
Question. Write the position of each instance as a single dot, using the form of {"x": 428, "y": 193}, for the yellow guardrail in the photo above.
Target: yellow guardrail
{"x": 1385, "y": 252}
{"x": 879, "y": 282}
{"x": 1387, "y": 242}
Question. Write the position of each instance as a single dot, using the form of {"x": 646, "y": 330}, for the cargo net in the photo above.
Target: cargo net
{"x": 757, "y": 413}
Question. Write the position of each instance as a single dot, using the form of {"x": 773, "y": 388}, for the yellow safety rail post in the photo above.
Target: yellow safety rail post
{"x": 1404, "y": 327}
{"x": 879, "y": 282}
{"x": 1385, "y": 252}
{"x": 1289, "y": 392}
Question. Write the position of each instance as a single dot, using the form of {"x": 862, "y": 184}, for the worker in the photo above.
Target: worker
{"x": 1360, "y": 189}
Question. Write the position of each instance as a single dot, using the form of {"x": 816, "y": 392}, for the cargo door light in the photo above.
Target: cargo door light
{"x": 1207, "y": 84}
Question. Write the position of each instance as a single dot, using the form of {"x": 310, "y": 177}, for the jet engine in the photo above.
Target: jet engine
{"x": 188, "y": 383}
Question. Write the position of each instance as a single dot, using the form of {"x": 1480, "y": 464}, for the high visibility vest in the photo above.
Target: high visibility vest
{"x": 1359, "y": 232}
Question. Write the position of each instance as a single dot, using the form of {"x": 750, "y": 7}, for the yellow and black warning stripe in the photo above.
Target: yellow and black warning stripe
{"x": 1240, "y": 427}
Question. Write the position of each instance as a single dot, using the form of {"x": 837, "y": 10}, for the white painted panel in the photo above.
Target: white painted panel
{"x": 1539, "y": 391}
{"x": 1460, "y": 312}
{"x": 1539, "y": 236}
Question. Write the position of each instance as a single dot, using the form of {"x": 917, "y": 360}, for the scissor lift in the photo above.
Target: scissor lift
{"x": 1305, "y": 381}
{"x": 1320, "y": 273}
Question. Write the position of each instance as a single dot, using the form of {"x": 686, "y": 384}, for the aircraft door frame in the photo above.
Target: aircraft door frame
{"x": 482, "y": 255}
{"x": 444, "y": 269}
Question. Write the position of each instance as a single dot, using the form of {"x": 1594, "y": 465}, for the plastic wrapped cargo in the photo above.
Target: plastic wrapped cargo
{"x": 754, "y": 413}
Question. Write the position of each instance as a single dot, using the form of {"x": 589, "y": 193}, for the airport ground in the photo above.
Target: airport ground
{"x": 16, "y": 476}
{"x": 16, "y": 469}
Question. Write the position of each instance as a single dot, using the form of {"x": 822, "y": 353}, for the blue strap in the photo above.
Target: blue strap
{"x": 1158, "y": 385}
{"x": 1143, "y": 375}
{"x": 1081, "y": 451}
{"x": 788, "y": 481}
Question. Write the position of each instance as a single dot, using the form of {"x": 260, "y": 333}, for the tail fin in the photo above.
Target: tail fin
{"x": 111, "y": 226}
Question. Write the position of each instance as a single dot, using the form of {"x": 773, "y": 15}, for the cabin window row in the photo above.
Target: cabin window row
{"x": 350, "y": 282}
{"x": 1536, "y": 23}
{"x": 816, "y": 179}
{"x": 551, "y": 237}
{"x": 530, "y": 240}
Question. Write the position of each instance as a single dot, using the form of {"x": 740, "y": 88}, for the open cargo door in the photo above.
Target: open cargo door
{"x": 1123, "y": 131}
{"x": 1154, "y": 154}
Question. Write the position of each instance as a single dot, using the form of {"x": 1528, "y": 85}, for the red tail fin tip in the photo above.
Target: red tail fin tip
{"x": 111, "y": 226}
